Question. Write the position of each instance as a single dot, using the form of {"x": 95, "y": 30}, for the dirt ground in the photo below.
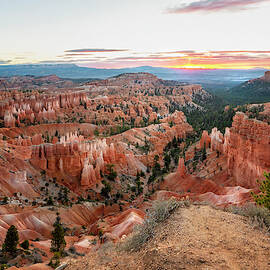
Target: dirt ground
{"x": 199, "y": 237}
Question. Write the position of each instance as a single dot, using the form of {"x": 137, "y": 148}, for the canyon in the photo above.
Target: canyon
{"x": 100, "y": 152}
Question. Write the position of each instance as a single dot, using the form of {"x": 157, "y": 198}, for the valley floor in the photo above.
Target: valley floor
{"x": 199, "y": 237}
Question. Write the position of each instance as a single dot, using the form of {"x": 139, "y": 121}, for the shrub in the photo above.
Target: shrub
{"x": 36, "y": 257}
{"x": 72, "y": 250}
{"x": 263, "y": 198}
{"x": 100, "y": 233}
{"x": 159, "y": 212}
{"x": 112, "y": 174}
{"x": 5, "y": 200}
{"x": 96, "y": 132}
{"x": 259, "y": 216}
{"x": 11, "y": 241}
{"x": 25, "y": 244}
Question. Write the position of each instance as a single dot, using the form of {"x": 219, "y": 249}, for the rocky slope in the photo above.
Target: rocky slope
{"x": 198, "y": 237}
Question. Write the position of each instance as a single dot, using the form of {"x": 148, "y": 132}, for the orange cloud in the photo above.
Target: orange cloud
{"x": 226, "y": 59}
{"x": 192, "y": 59}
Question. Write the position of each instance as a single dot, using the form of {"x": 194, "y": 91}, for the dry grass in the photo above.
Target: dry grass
{"x": 159, "y": 212}
{"x": 104, "y": 252}
{"x": 258, "y": 215}
{"x": 198, "y": 237}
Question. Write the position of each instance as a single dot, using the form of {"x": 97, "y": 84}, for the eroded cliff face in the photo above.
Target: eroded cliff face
{"x": 234, "y": 161}
{"x": 75, "y": 158}
{"x": 246, "y": 146}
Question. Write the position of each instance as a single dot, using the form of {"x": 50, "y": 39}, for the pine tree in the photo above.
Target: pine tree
{"x": 11, "y": 241}
{"x": 58, "y": 242}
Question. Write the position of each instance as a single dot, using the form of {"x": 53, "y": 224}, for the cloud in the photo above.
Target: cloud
{"x": 183, "y": 51}
{"x": 251, "y": 52}
{"x": 4, "y": 62}
{"x": 214, "y": 5}
{"x": 95, "y": 50}
{"x": 73, "y": 54}
{"x": 150, "y": 57}
{"x": 71, "y": 61}
{"x": 175, "y": 59}
{"x": 208, "y": 59}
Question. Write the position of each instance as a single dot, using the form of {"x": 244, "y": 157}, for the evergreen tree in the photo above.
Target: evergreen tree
{"x": 167, "y": 161}
{"x": 112, "y": 173}
{"x": 58, "y": 242}
{"x": 11, "y": 241}
{"x": 174, "y": 142}
{"x": 105, "y": 191}
{"x": 50, "y": 201}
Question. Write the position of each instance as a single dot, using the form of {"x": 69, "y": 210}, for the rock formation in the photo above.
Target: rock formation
{"x": 37, "y": 107}
{"x": 266, "y": 76}
{"x": 181, "y": 169}
{"x": 246, "y": 146}
{"x": 74, "y": 157}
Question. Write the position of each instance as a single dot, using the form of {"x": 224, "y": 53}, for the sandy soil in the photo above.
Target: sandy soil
{"x": 199, "y": 237}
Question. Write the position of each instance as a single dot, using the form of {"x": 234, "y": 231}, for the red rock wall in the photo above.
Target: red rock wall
{"x": 74, "y": 159}
{"x": 247, "y": 147}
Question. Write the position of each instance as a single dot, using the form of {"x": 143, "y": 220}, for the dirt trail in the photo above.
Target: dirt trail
{"x": 198, "y": 237}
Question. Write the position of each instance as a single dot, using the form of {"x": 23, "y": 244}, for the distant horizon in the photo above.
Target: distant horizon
{"x": 131, "y": 67}
{"x": 184, "y": 34}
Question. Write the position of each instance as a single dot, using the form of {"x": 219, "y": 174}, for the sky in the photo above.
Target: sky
{"x": 131, "y": 33}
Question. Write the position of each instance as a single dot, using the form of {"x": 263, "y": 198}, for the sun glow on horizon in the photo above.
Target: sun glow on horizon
{"x": 216, "y": 67}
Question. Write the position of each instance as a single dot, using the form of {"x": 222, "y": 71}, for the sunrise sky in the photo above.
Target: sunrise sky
{"x": 130, "y": 33}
